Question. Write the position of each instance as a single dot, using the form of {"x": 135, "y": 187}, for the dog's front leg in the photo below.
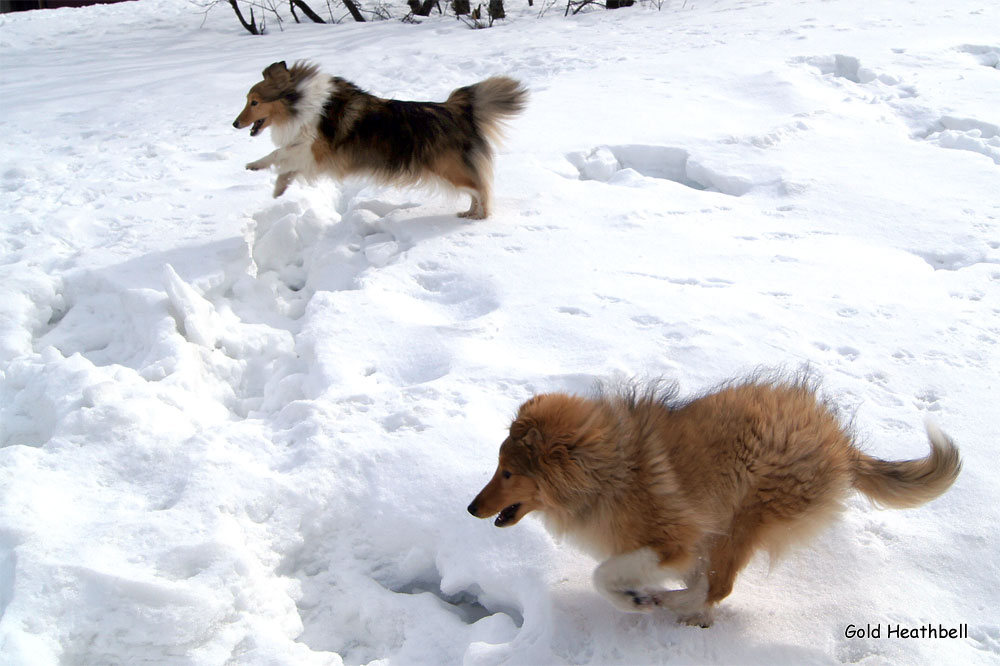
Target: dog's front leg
{"x": 282, "y": 182}
{"x": 272, "y": 158}
{"x": 632, "y": 581}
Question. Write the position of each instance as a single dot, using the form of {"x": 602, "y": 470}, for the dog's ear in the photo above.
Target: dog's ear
{"x": 524, "y": 430}
{"x": 533, "y": 439}
{"x": 277, "y": 72}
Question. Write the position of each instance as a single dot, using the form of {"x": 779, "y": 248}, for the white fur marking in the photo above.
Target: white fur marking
{"x": 938, "y": 439}
{"x": 633, "y": 582}
{"x": 621, "y": 577}
{"x": 294, "y": 156}
{"x": 314, "y": 93}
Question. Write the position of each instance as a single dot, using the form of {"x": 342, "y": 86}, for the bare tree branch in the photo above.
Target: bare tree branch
{"x": 307, "y": 10}
{"x": 251, "y": 27}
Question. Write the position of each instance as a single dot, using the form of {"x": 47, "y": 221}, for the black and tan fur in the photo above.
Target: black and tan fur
{"x": 325, "y": 125}
{"x": 655, "y": 486}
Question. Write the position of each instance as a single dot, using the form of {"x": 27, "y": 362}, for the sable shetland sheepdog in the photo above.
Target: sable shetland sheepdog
{"x": 326, "y": 125}
{"x": 656, "y": 486}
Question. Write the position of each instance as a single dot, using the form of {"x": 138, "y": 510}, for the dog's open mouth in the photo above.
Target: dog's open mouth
{"x": 507, "y": 515}
{"x": 257, "y": 124}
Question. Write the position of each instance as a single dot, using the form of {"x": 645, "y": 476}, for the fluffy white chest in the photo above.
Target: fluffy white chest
{"x": 304, "y": 128}
{"x": 591, "y": 537}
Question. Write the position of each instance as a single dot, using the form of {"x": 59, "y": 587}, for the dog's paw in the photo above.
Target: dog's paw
{"x": 256, "y": 166}
{"x": 701, "y": 619}
{"x": 641, "y": 600}
{"x": 476, "y": 212}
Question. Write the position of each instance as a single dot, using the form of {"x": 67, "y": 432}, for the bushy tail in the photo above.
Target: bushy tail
{"x": 907, "y": 483}
{"x": 492, "y": 101}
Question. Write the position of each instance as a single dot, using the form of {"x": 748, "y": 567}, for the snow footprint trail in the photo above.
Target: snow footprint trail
{"x": 633, "y": 165}
{"x": 306, "y": 261}
{"x": 132, "y": 396}
{"x": 965, "y": 134}
{"x": 947, "y": 130}
{"x": 380, "y": 314}
{"x": 303, "y": 364}
{"x": 938, "y": 96}
{"x": 988, "y": 56}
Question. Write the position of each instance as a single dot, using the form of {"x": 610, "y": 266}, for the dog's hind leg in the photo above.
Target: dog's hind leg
{"x": 478, "y": 210}
{"x": 461, "y": 172}
{"x": 729, "y": 554}
{"x": 712, "y": 579}
{"x": 480, "y": 193}
{"x": 689, "y": 603}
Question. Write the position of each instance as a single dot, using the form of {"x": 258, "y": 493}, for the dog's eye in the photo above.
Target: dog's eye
{"x": 506, "y": 474}
{"x": 253, "y": 103}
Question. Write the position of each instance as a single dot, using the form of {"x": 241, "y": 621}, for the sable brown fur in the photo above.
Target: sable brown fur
{"x": 328, "y": 126}
{"x": 657, "y": 486}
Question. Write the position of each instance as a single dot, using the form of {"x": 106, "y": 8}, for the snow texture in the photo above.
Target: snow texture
{"x": 243, "y": 431}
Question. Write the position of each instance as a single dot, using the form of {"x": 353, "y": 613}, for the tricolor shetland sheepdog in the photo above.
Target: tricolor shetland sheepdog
{"x": 326, "y": 125}
{"x": 656, "y": 486}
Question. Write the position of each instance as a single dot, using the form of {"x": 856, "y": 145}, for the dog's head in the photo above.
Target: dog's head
{"x": 267, "y": 100}
{"x": 544, "y": 460}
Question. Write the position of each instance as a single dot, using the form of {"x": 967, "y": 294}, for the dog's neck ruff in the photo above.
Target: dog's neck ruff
{"x": 589, "y": 534}
{"x": 314, "y": 92}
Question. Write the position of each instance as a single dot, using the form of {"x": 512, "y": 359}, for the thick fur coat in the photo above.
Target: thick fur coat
{"x": 655, "y": 486}
{"x": 325, "y": 125}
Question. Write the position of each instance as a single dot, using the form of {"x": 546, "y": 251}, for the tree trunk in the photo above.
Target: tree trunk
{"x": 355, "y": 12}
{"x": 422, "y": 8}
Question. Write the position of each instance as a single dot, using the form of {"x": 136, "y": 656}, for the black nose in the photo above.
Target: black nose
{"x": 472, "y": 508}
{"x": 236, "y": 124}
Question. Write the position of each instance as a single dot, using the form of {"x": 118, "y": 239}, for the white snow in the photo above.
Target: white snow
{"x": 245, "y": 431}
